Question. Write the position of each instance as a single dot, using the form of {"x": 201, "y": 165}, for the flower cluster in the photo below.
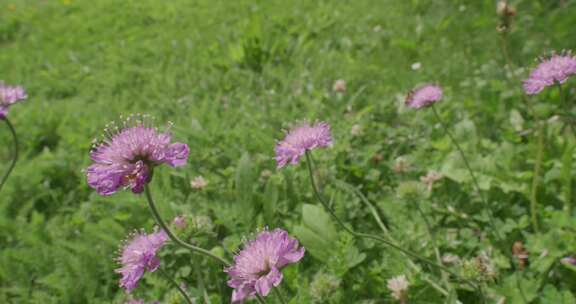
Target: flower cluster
{"x": 301, "y": 139}
{"x": 257, "y": 268}
{"x": 424, "y": 96}
{"x": 553, "y": 70}
{"x": 139, "y": 256}
{"x": 9, "y": 95}
{"x": 128, "y": 154}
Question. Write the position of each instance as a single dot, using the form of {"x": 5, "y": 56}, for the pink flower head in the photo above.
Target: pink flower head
{"x": 139, "y": 256}
{"x": 257, "y": 268}
{"x": 301, "y": 139}
{"x": 127, "y": 156}
{"x": 569, "y": 260}
{"x": 180, "y": 222}
{"x": 553, "y": 70}
{"x": 9, "y": 95}
{"x": 424, "y": 96}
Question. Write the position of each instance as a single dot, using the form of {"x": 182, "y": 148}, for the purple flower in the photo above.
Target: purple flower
{"x": 9, "y": 95}
{"x": 257, "y": 267}
{"x": 126, "y": 158}
{"x": 180, "y": 222}
{"x": 139, "y": 255}
{"x": 570, "y": 260}
{"x": 299, "y": 140}
{"x": 550, "y": 71}
{"x": 424, "y": 96}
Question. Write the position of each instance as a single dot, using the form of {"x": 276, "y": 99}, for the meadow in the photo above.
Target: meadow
{"x": 232, "y": 78}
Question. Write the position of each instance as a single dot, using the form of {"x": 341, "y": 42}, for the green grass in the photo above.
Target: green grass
{"x": 231, "y": 76}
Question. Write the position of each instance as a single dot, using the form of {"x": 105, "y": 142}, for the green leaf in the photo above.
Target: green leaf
{"x": 317, "y": 234}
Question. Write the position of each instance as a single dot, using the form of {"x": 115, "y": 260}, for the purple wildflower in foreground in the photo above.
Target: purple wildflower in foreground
{"x": 126, "y": 158}
{"x": 550, "y": 71}
{"x": 424, "y": 96}
{"x": 299, "y": 140}
{"x": 139, "y": 256}
{"x": 9, "y": 95}
{"x": 257, "y": 267}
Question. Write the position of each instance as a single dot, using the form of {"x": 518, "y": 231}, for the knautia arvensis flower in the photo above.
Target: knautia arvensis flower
{"x": 553, "y": 70}
{"x": 128, "y": 154}
{"x": 257, "y": 267}
{"x": 9, "y": 95}
{"x": 300, "y": 139}
{"x": 139, "y": 254}
{"x": 424, "y": 96}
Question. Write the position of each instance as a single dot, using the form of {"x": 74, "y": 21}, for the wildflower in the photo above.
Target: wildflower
{"x": 504, "y": 9}
{"x": 139, "y": 256}
{"x": 430, "y": 178}
{"x": 401, "y": 165}
{"x": 198, "y": 183}
{"x": 399, "y": 288}
{"x": 10, "y": 95}
{"x": 356, "y": 130}
{"x": 553, "y": 70}
{"x": 324, "y": 286}
{"x": 416, "y": 66}
{"x": 257, "y": 268}
{"x": 180, "y": 222}
{"x": 301, "y": 139}
{"x": 570, "y": 260}
{"x": 128, "y": 155}
{"x": 424, "y": 96}
{"x": 339, "y": 86}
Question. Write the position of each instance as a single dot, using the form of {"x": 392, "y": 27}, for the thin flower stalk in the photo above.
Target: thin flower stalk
{"x": 172, "y": 236}
{"x": 177, "y": 286}
{"x": 472, "y": 175}
{"x": 14, "y": 155}
{"x": 371, "y": 236}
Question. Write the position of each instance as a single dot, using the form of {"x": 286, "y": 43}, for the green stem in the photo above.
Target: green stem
{"x": 260, "y": 299}
{"x": 536, "y": 176}
{"x": 173, "y": 237}
{"x": 472, "y": 175}
{"x": 279, "y": 295}
{"x": 345, "y": 186}
{"x": 15, "y": 155}
{"x": 567, "y": 157}
{"x": 173, "y": 282}
{"x": 433, "y": 240}
{"x": 371, "y": 236}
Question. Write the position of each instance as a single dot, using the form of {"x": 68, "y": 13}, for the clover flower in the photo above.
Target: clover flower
{"x": 399, "y": 288}
{"x": 424, "y": 96}
{"x": 128, "y": 154}
{"x": 553, "y": 70}
{"x": 138, "y": 256}
{"x": 10, "y": 95}
{"x": 301, "y": 139}
{"x": 257, "y": 268}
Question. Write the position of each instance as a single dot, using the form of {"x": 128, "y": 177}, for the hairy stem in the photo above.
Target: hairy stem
{"x": 472, "y": 175}
{"x": 279, "y": 295}
{"x": 536, "y": 175}
{"x": 371, "y": 236}
{"x": 15, "y": 153}
{"x": 173, "y": 237}
{"x": 173, "y": 282}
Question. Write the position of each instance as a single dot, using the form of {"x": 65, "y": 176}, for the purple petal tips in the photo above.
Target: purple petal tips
{"x": 139, "y": 256}
{"x": 10, "y": 95}
{"x": 554, "y": 70}
{"x": 257, "y": 268}
{"x": 424, "y": 96}
{"x": 126, "y": 157}
{"x": 299, "y": 140}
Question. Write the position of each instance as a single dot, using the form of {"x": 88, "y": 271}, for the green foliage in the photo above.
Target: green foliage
{"x": 231, "y": 75}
